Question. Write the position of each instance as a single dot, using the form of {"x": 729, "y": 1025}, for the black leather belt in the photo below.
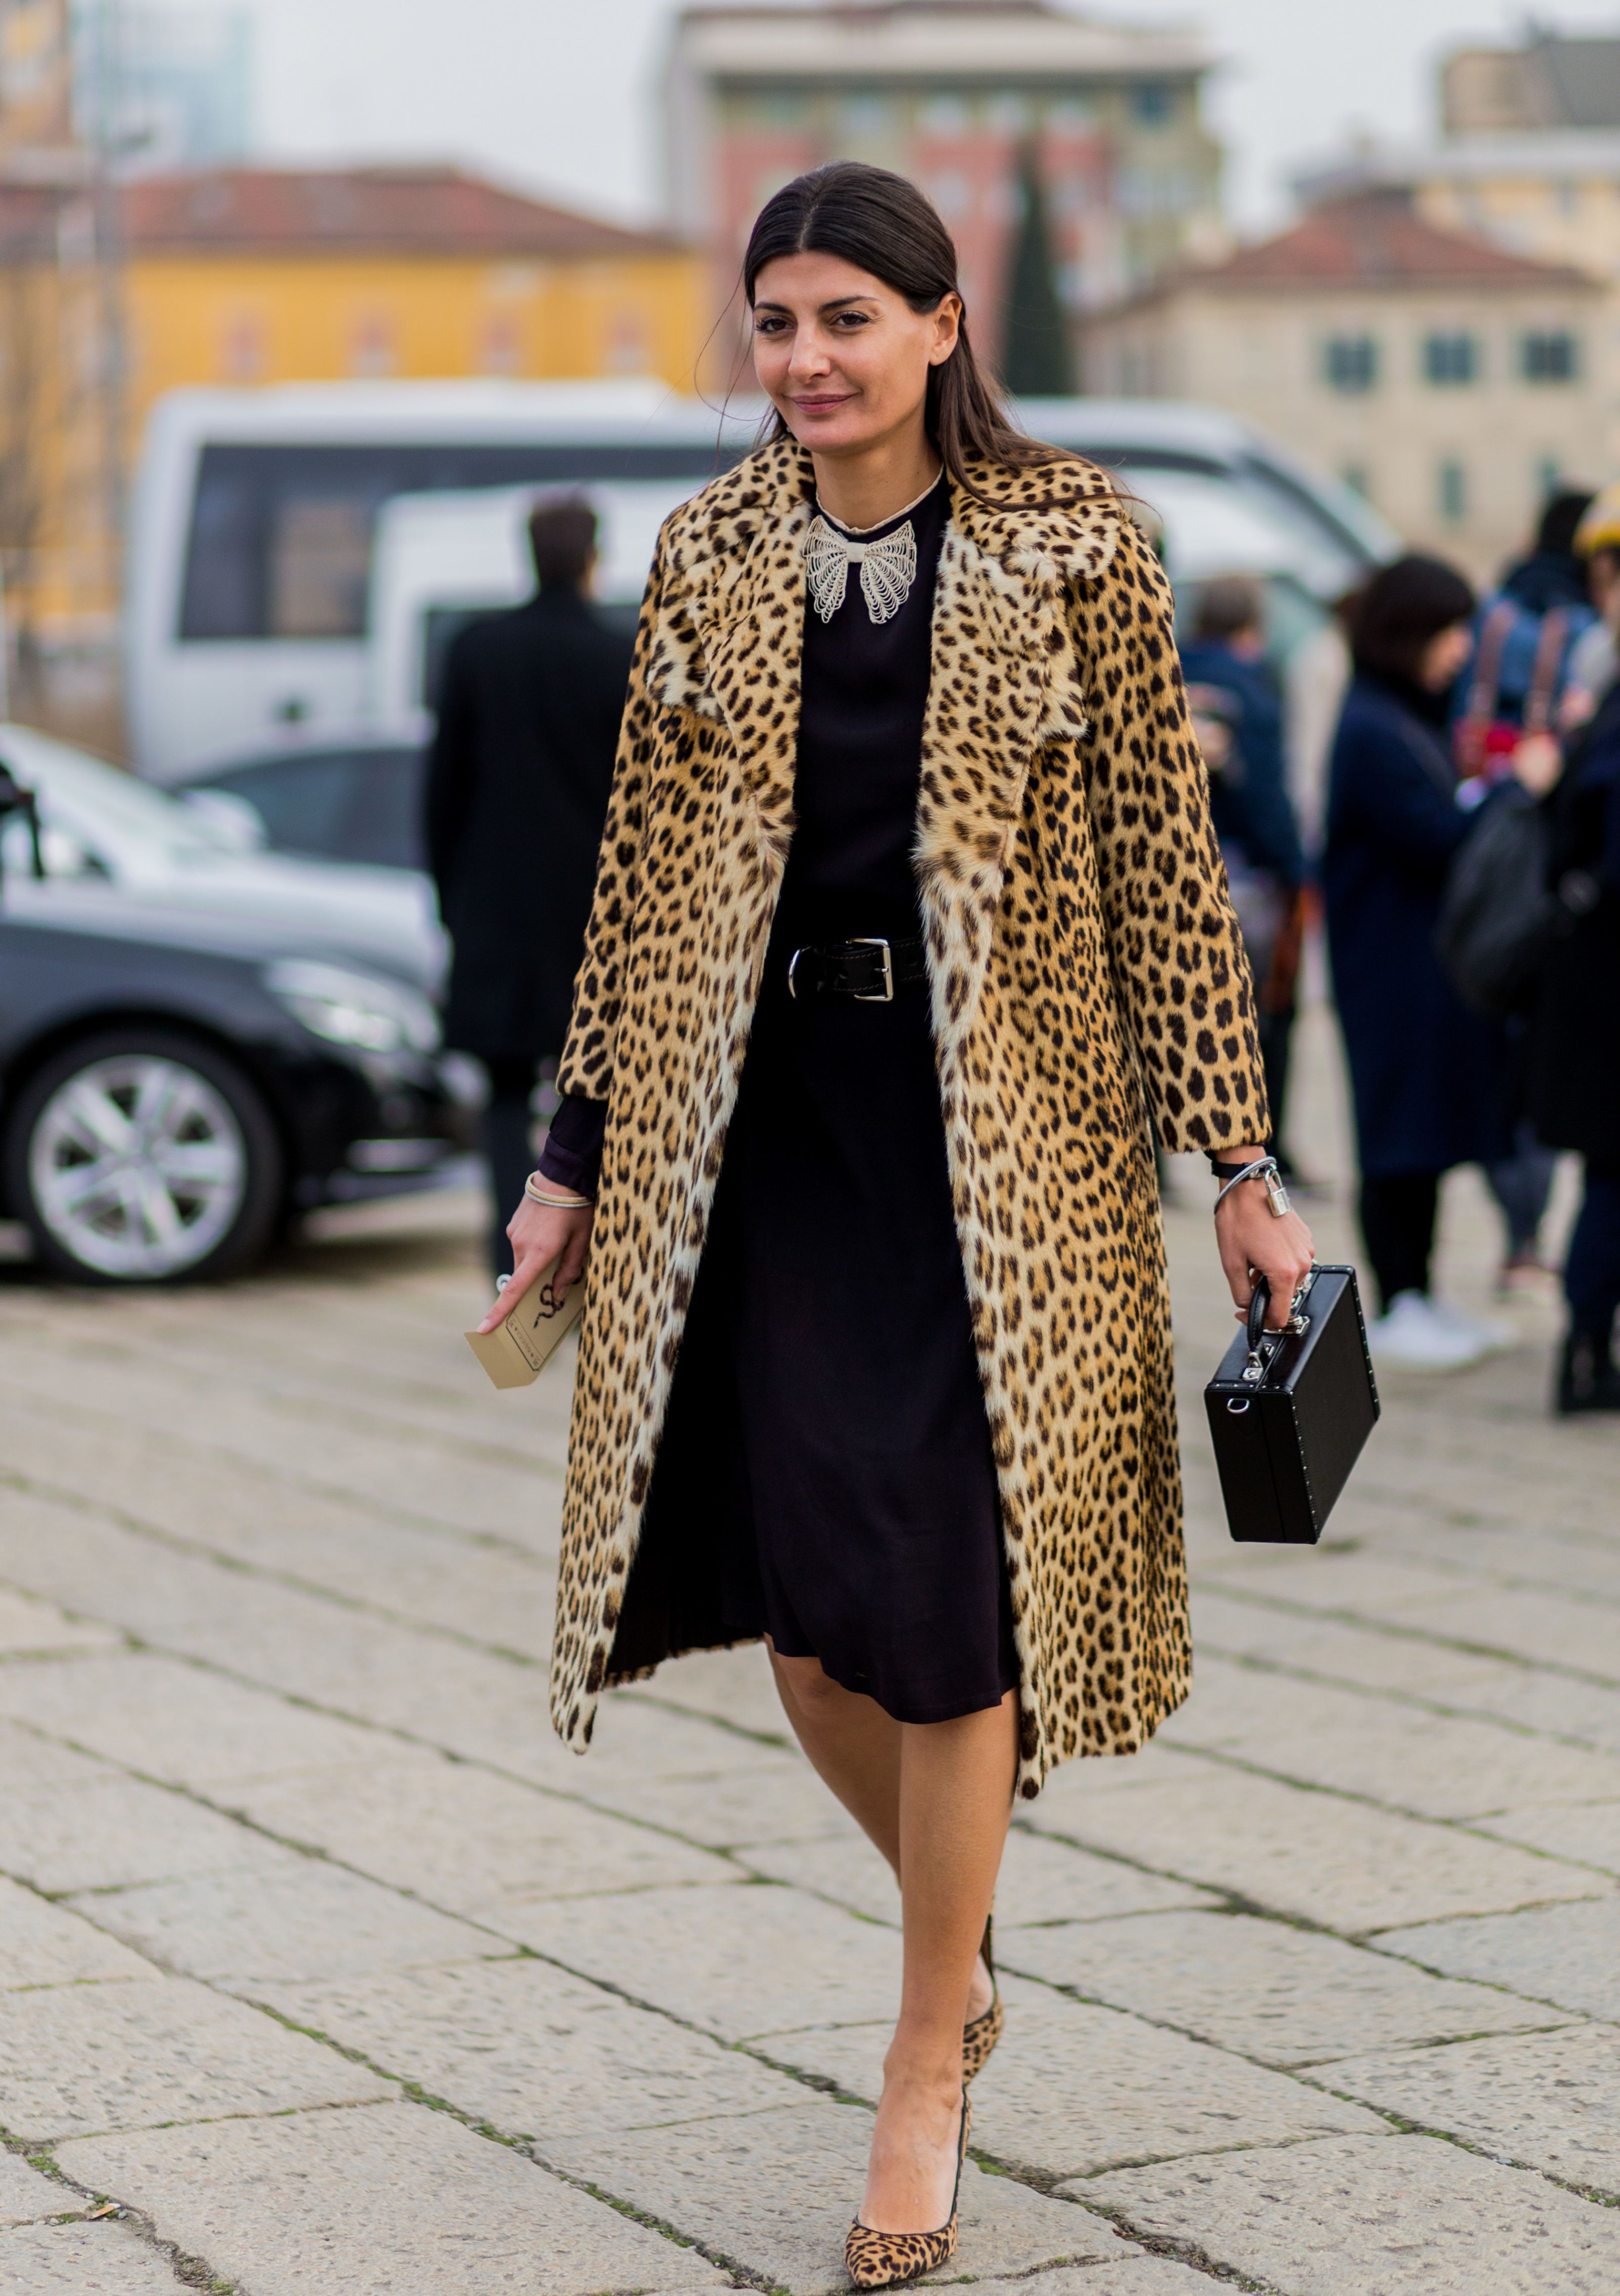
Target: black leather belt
{"x": 868, "y": 970}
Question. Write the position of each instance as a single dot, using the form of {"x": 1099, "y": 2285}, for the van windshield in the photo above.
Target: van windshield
{"x": 280, "y": 536}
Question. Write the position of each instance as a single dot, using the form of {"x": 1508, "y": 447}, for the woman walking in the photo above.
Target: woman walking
{"x": 907, "y": 904}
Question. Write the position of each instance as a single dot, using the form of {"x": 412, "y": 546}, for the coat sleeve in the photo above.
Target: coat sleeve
{"x": 587, "y": 1066}
{"x": 1381, "y": 793}
{"x": 1180, "y": 973}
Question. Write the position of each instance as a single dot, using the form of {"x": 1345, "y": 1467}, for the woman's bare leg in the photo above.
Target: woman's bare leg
{"x": 956, "y": 1797}
{"x": 852, "y": 1745}
{"x": 935, "y": 1798}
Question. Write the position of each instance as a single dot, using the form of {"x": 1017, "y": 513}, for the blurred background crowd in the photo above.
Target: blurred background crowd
{"x": 329, "y": 482}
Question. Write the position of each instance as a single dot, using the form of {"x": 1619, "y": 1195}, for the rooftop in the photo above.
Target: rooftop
{"x": 1374, "y": 239}
{"x": 424, "y": 210}
{"x": 928, "y": 41}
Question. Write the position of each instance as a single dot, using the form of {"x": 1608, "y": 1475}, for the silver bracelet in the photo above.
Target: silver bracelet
{"x": 554, "y": 1203}
{"x": 1266, "y": 1168}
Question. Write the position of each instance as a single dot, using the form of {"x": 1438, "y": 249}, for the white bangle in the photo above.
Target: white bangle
{"x": 554, "y": 1203}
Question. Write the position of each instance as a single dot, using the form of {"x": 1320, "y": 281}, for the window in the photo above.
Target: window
{"x": 1449, "y": 360}
{"x": 1549, "y": 478}
{"x": 945, "y": 116}
{"x": 1355, "y": 477}
{"x": 1549, "y": 356}
{"x": 1350, "y": 363}
{"x": 1153, "y": 103}
{"x": 1453, "y": 490}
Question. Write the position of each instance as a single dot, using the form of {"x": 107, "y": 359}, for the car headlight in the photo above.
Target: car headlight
{"x": 359, "y": 1009}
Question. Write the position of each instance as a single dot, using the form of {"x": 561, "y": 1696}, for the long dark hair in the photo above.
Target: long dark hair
{"x": 1402, "y": 610}
{"x": 883, "y": 225}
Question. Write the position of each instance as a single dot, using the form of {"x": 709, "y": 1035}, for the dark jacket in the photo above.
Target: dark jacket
{"x": 516, "y": 797}
{"x": 1249, "y": 800}
{"x": 1426, "y": 1071}
{"x": 1574, "y": 1050}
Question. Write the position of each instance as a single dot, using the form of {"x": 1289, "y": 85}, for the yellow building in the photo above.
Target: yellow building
{"x": 256, "y": 275}
{"x": 260, "y": 275}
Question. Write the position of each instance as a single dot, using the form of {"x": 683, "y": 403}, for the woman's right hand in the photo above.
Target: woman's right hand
{"x": 538, "y": 1233}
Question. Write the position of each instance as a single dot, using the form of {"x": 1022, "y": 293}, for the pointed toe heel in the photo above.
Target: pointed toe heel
{"x": 886, "y": 2259}
{"x": 980, "y": 2033}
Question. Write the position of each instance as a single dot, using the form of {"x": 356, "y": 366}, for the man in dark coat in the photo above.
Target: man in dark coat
{"x": 516, "y": 796}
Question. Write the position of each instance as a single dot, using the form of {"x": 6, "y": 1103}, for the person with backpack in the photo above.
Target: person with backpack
{"x": 1528, "y": 648}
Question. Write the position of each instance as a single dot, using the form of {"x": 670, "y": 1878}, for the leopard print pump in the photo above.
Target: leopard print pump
{"x": 883, "y": 2259}
{"x": 980, "y": 2033}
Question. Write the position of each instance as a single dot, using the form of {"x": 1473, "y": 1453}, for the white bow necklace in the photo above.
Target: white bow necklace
{"x": 888, "y": 567}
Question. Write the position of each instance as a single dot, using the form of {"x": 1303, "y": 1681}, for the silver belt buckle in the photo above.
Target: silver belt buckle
{"x": 885, "y": 995}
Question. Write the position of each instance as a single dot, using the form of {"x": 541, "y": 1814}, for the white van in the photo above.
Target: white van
{"x": 253, "y": 520}
{"x": 1226, "y": 500}
{"x": 275, "y": 598}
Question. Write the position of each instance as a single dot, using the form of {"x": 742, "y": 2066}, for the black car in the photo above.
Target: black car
{"x": 357, "y": 801}
{"x": 172, "y": 1090}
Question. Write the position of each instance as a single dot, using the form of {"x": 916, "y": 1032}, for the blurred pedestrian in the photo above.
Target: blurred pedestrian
{"x": 517, "y": 794}
{"x": 1574, "y": 1072}
{"x": 876, "y": 1353}
{"x": 1593, "y": 664}
{"x": 1528, "y": 641}
{"x": 1238, "y": 713}
{"x": 1425, "y": 1070}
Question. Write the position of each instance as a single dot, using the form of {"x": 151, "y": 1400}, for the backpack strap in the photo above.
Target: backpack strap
{"x": 1479, "y": 711}
{"x": 1544, "y": 675}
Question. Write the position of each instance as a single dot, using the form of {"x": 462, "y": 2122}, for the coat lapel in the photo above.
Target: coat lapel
{"x": 1002, "y": 658}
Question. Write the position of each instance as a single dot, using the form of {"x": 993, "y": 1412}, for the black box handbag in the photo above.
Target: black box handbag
{"x": 1289, "y": 1411}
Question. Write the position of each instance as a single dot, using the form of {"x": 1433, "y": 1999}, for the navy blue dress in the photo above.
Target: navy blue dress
{"x": 826, "y": 1459}
{"x": 1426, "y": 1071}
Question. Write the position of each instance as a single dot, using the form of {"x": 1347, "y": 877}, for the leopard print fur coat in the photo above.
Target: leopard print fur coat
{"x": 1087, "y": 979}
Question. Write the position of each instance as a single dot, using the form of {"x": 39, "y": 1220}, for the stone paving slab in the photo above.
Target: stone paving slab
{"x": 750, "y": 1960}
{"x": 1569, "y": 1954}
{"x": 1559, "y": 1630}
{"x": 176, "y": 1722}
{"x": 81, "y": 2260}
{"x": 1229, "y": 1626}
{"x": 734, "y": 1686}
{"x": 1133, "y": 2274}
{"x": 28, "y": 1626}
{"x": 1586, "y": 1833}
{"x": 41, "y": 1944}
{"x": 734, "y": 1807}
{"x": 1378, "y": 2216}
{"x": 118, "y": 1831}
{"x": 1040, "y": 1881}
{"x": 463, "y": 1838}
{"x": 779, "y": 2193}
{"x": 1432, "y": 1765}
{"x": 532, "y": 2051}
{"x": 32, "y": 1764}
{"x": 1547, "y": 2100}
{"x": 78, "y": 2058}
{"x": 1072, "y": 2089}
{"x": 1285, "y": 1995}
{"x": 26, "y": 2197}
{"x": 298, "y": 1919}
{"x": 384, "y": 2198}
{"x": 1313, "y": 1855}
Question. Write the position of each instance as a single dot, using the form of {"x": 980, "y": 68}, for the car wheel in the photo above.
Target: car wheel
{"x": 139, "y": 1157}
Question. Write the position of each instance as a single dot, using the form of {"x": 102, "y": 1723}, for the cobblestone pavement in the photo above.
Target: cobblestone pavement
{"x": 327, "y": 1970}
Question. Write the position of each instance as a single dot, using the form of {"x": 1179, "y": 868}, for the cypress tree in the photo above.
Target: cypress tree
{"x": 1038, "y": 359}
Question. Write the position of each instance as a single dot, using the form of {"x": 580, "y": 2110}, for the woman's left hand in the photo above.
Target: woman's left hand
{"x": 1253, "y": 1241}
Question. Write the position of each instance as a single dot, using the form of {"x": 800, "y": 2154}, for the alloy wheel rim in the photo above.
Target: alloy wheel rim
{"x": 137, "y": 1166}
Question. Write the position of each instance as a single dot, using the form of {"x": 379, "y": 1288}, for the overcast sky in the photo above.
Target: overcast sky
{"x": 561, "y": 94}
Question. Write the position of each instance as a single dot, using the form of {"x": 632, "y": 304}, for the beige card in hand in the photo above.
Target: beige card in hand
{"x": 518, "y": 1350}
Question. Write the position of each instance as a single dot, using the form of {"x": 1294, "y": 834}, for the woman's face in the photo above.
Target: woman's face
{"x": 843, "y": 359}
{"x": 1440, "y": 664}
